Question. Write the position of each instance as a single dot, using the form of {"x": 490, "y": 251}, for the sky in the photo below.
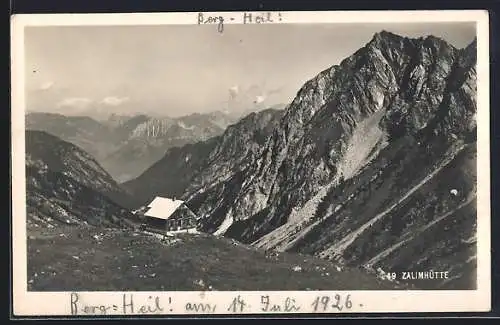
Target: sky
{"x": 175, "y": 70}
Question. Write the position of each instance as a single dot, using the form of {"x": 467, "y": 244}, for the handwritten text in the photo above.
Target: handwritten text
{"x": 129, "y": 303}
{"x": 245, "y": 18}
{"x": 151, "y": 305}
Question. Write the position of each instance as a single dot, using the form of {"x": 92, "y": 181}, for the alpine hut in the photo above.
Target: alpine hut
{"x": 169, "y": 214}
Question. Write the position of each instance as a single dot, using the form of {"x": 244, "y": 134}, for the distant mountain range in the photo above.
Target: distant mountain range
{"x": 126, "y": 145}
{"x": 372, "y": 164}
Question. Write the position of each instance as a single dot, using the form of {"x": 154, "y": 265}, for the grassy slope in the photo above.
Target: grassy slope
{"x": 71, "y": 258}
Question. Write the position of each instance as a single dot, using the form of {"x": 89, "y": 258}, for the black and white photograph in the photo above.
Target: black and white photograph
{"x": 264, "y": 155}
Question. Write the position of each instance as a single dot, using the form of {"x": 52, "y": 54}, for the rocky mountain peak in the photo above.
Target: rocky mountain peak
{"x": 386, "y": 37}
{"x": 469, "y": 54}
{"x": 472, "y": 45}
{"x": 340, "y": 120}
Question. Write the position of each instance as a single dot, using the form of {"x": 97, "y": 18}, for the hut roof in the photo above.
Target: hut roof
{"x": 162, "y": 208}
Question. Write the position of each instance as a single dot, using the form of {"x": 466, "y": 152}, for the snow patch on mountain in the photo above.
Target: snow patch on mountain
{"x": 224, "y": 226}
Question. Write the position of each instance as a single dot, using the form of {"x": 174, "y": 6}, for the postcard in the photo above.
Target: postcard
{"x": 232, "y": 163}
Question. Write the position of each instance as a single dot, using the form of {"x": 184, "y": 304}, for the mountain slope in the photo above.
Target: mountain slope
{"x": 426, "y": 216}
{"x": 337, "y": 121}
{"x": 335, "y": 176}
{"x": 193, "y": 167}
{"x": 66, "y": 185}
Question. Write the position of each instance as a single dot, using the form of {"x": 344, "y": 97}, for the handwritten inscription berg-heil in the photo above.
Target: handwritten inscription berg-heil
{"x": 246, "y": 18}
{"x": 128, "y": 305}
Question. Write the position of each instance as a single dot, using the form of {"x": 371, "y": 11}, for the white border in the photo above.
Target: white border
{"x": 58, "y": 303}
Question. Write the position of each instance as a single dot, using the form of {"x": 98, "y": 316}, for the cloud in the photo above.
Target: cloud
{"x": 46, "y": 85}
{"x": 233, "y": 91}
{"x": 259, "y": 99}
{"x": 77, "y": 102}
{"x": 114, "y": 101}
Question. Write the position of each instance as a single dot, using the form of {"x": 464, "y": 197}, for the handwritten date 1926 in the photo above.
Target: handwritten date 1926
{"x": 327, "y": 303}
